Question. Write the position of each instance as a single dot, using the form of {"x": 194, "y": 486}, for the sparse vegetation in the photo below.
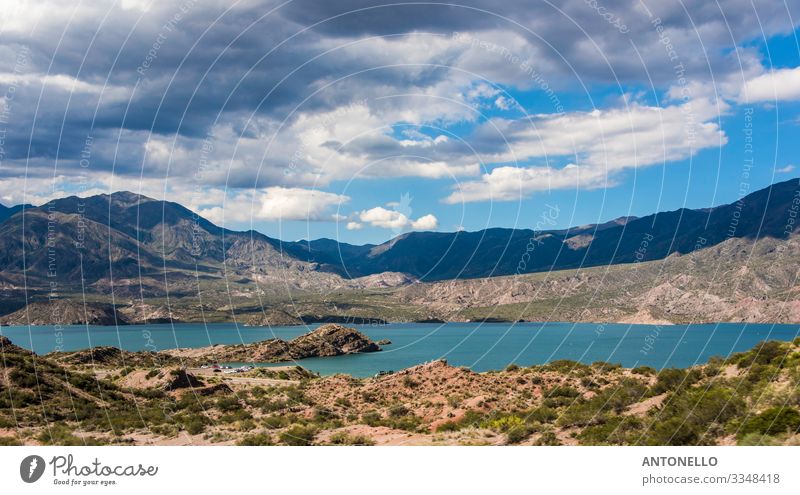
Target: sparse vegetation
{"x": 750, "y": 398}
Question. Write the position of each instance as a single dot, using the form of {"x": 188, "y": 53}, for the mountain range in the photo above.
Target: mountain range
{"x": 125, "y": 236}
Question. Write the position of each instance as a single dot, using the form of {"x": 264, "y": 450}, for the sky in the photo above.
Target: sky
{"x": 360, "y": 120}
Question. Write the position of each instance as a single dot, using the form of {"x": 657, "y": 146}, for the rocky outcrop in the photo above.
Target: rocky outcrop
{"x": 331, "y": 340}
{"x": 327, "y": 340}
{"x": 181, "y": 379}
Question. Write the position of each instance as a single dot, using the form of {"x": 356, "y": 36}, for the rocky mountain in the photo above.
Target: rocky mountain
{"x": 127, "y": 236}
{"x": 140, "y": 248}
{"x": 7, "y": 211}
{"x": 432, "y": 256}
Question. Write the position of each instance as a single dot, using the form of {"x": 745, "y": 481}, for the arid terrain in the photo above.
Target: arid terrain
{"x": 108, "y": 396}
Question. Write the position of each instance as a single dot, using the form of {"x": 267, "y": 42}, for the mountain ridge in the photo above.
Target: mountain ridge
{"x": 124, "y": 235}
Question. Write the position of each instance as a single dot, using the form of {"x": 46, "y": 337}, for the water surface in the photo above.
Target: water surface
{"x": 480, "y": 346}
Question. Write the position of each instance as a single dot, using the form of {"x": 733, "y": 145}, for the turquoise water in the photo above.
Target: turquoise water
{"x": 480, "y": 346}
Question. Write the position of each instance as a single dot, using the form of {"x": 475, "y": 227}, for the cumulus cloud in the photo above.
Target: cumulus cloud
{"x": 605, "y": 141}
{"x": 276, "y": 203}
{"x": 391, "y": 219}
{"x": 776, "y": 85}
{"x": 788, "y": 169}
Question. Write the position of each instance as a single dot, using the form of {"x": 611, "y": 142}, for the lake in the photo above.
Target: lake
{"x": 480, "y": 346}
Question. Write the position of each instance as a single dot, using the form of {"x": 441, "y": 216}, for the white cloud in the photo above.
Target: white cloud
{"x": 427, "y": 222}
{"x": 391, "y": 219}
{"x": 788, "y": 169}
{"x": 512, "y": 183}
{"x": 503, "y": 103}
{"x": 781, "y": 84}
{"x": 601, "y": 143}
{"x": 354, "y": 226}
{"x": 281, "y": 203}
{"x": 277, "y": 203}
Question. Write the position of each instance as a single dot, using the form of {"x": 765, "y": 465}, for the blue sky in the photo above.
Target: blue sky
{"x": 358, "y": 121}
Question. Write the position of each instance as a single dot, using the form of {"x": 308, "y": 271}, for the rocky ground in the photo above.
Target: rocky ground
{"x": 113, "y": 397}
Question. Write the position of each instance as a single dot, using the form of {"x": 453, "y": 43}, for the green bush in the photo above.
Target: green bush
{"x": 298, "y": 435}
{"x": 342, "y": 438}
{"x": 618, "y": 430}
{"x": 398, "y": 411}
{"x": 548, "y": 438}
{"x": 519, "y": 433}
{"x": 257, "y": 439}
{"x": 773, "y": 421}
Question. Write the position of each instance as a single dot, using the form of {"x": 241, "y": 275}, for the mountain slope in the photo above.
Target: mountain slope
{"x": 432, "y": 256}
{"x": 7, "y": 211}
{"x": 125, "y": 236}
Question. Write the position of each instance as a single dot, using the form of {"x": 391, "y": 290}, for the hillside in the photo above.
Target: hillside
{"x": 747, "y": 399}
{"x": 738, "y": 280}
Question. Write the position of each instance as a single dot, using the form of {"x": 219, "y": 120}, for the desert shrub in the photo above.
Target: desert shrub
{"x": 61, "y": 434}
{"x": 398, "y": 411}
{"x": 342, "y": 438}
{"x": 589, "y": 383}
{"x": 410, "y": 382}
{"x": 643, "y": 370}
{"x": 548, "y": 438}
{"x": 617, "y": 430}
{"x": 257, "y": 439}
{"x": 597, "y": 409}
{"x": 757, "y": 439}
{"x": 448, "y": 426}
{"x": 773, "y": 421}
{"x": 298, "y": 435}
{"x": 694, "y": 416}
{"x": 512, "y": 367}
{"x": 23, "y": 379}
{"x": 470, "y": 419}
{"x": 541, "y": 415}
{"x": 672, "y": 378}
{"x": 235, "y": 416}
{"x": 564, "y": 366}
{"x": 562, "y": 391}
{"x": 194, "y": 425}
{"x": 408, "y": 422}
{"x": 519, "y": 433}
{"x": 763, "y": 353}
{"x": 605, "y": 367}
{"x": 371, "y": 418}
{"x": 275, "y": 422}
{"x": 294, "y": 395}
{"x": 504, "y": 423}
{"x": 321, "y": 415}
{"x": 9, "y": 441}
{"x": 227, "y": 404}
{"x": 342, "y": 402}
